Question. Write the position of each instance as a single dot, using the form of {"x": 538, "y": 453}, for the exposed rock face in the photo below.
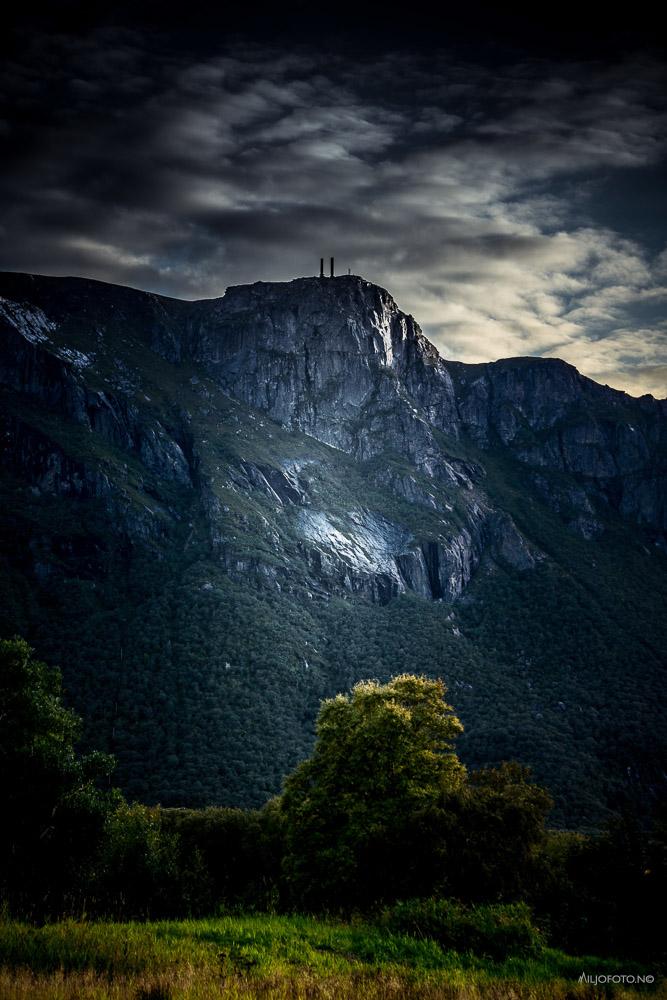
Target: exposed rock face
{"x": 338, "y": 360}
{"x": 44, "y": 379}
{"x": 54, "y": 378}
{"x": 359, "y": 551}
{"x": 552, "y": 417}
{"x": 334, "y": 359}
{"x": 373, "y": 556}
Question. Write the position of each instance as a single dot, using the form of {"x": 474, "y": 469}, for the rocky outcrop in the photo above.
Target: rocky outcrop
{"x": 410, "y": 487}
{"x": 365, "y": 553}
{"x": 282, "y": 485}
{"x": 53, "y": 376}
{"x": 508, "y": 544}
{"x": 334, "y": 358}
{"x": 573, "y": 503}
{"x": 551, "y": 417}
{"x": 337, "y": 360}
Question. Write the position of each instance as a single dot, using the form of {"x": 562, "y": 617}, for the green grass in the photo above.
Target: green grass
{"x": 254, "y": 956}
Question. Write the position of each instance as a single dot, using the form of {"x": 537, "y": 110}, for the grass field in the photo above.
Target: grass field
{"x": 281, "y": 957}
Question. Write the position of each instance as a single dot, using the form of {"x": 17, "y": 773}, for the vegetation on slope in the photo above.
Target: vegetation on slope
{"x": 204, "y": 680}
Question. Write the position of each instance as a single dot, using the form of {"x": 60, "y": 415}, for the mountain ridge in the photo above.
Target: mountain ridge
{"x": 31, "y": 277}
{"x": 299, "y": 452}
{"x": 361, "y": 339}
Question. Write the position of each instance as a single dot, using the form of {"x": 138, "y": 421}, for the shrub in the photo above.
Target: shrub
{"x": 494, "y": 931}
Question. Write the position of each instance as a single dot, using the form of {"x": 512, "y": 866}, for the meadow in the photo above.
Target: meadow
{"x": 287, "y": 958}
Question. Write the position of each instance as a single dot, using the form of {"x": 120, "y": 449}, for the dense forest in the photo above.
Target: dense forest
{"x": 382, "y": 819}
{"x": 205, "y": 689}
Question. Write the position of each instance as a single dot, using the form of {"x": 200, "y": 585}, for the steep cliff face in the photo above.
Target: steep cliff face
{"x": 338, "y": 361}
{"x": 36, "y": 365}
{"x": 66, "y": 437}
{"x": 334, "y": 358}
{"x": 551, "y": 417}
{"x": 212, "y": 509}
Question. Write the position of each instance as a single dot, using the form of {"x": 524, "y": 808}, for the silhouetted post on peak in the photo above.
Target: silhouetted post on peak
{"x": 332, "y": 267}
{"x": 321, "y": 267}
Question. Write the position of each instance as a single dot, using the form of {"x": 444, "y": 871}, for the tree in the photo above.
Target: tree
{"x": 138, "y": 874}
{"x": 604, "y": 894}
{"x": 494, "y": 846}
{"x": 383, "y": 754}
{"x": 54, "y": 807}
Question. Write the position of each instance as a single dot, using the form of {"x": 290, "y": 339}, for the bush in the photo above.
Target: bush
{"x": 495, "y": 931}
{"x": 138, "y": 874}
{"x": 238, "y": 855}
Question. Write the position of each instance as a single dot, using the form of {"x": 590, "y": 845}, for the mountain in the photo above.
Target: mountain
{"x": 216, "y": 513}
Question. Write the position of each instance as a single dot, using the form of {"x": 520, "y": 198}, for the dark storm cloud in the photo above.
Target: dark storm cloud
{"x": 467, "y": 188}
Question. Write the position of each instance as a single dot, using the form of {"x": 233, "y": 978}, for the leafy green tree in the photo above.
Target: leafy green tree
{"x": 55, "y": 807}
{"x": 383, "y": 754}
{"x": 139, "y": 872}
{"x": 237, "y": 854}
{"x": 494, "y": 847}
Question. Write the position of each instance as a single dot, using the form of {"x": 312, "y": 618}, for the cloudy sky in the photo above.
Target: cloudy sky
{"x": 509, "y": 191}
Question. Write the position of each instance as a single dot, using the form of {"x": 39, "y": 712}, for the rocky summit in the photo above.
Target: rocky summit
{"x": 216, "y": 513}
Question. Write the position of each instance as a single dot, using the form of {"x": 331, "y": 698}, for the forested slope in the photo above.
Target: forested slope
{"x": 215, "y": 514}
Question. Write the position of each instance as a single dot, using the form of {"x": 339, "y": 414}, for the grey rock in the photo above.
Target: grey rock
{"x": 551, "y": 417}
{"x": 338, "y": 361}
{"x": 335, "y": 359}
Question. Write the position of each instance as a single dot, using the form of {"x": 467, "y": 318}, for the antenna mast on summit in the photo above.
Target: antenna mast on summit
{"x": 331, "y": 267}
